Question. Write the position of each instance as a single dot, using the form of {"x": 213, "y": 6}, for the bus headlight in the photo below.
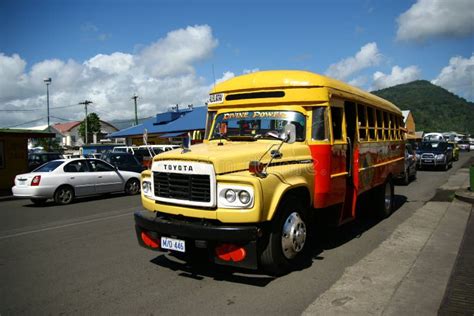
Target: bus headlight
{"x": 234, "y": 196}
{"x": 230, "y": 195}
{"x": 146, "y": 188}
{"x": 244, "y": 197}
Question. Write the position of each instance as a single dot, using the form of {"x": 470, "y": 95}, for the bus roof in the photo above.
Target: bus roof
{"x": 281, "y": 79}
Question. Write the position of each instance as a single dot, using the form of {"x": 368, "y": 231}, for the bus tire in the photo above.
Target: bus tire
{"x": 384, "y": 198}
{"x": 287, "y": 245}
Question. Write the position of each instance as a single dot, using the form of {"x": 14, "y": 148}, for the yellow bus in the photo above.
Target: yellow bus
{"x": 280, "y": 147}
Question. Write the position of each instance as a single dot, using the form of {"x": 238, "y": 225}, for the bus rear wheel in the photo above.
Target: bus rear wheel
{"x": 288, "y": 238}
{"x": 384, "y": 198}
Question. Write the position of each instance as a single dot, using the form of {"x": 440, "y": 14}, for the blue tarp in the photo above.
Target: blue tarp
{"x": 189, "y": 121}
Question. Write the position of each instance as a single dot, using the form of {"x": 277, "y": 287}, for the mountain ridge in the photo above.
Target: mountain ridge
{"x": 434, "y": 108}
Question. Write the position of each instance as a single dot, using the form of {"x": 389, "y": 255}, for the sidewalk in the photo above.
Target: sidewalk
{"x": 409, "y": 273}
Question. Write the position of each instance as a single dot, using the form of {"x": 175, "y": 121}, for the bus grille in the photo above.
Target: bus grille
{"x": 190, "y": 187}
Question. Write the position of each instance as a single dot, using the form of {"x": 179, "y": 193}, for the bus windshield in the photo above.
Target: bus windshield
{"x": 253, "y": 125}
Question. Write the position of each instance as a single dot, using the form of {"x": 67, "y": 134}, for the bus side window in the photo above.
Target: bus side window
{"x": 320, "y": 124}
{"x": 336, "y": 115}
{"x": 386, "y": 125}
{"x": 371, "y": 119}
{"x": 362, "y": 122}
{"x": 379, "y": 125}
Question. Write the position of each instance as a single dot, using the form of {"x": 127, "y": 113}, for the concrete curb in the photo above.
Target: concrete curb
{"x": 465, "y": 195}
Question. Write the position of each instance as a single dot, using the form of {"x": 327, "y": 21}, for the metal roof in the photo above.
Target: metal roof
{"x": 187, "y": 121}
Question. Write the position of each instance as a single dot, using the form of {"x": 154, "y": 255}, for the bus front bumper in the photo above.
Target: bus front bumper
{"x": 222, "y": 242}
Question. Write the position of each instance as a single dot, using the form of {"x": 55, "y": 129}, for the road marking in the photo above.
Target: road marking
{"x": 62, "y": 226}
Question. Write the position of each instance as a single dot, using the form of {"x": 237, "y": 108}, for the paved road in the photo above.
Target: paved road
{"x": 83, "y": 258}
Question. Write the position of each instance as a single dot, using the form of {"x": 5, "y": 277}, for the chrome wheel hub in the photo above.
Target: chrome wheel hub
{"x": 65, "y": 195}
{"x": 293, "y": 236}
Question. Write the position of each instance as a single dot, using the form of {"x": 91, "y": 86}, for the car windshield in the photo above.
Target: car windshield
{"x": 433, "y": 146}
{"x": 49, "y": 166}
{"x": 248, "y": 125}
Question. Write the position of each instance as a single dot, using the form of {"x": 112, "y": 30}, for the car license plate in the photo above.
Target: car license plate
{"x": 22, "y": 182}
{"x": 428, "y": 160}
{"x": 173, "y": 244}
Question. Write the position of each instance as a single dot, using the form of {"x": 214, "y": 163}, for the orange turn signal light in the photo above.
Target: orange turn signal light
{"x": 230, "y": 252}
{"x": 150, "y": 241}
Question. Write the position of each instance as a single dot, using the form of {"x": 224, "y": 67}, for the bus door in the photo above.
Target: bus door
{"x": 352, "y": 162}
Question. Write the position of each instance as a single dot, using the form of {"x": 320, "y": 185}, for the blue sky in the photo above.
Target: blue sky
{"x": 170, "y": 51}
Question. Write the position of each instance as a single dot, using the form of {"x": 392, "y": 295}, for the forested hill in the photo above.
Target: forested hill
{"x": 434, "y": 109}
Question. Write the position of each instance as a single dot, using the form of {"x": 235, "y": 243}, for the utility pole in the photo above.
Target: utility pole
{"x": 86, "y": 102}
{"x": 135, "y": 97}
{"x": 48, "y": 82}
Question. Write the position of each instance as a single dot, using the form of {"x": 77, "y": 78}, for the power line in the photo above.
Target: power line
{"x": 62, "y": 119}
{"x": 25, "y": 123}
{"x": 17, "y": 110}
{"x": 37, "y": 109}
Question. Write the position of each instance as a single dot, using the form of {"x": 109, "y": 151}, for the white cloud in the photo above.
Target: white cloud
{"x": 432, "y": 18}
{"x": 12, "y": 76}
{"x": 458, "y": 77}
{"x": 162, "y": 74}
{"x": 367, "y": 56}
{"x": 176, "y": 53}
{"x": 225, "y": 76}
{"x": 360, "y": 81}
{"x": 397, "y": 76}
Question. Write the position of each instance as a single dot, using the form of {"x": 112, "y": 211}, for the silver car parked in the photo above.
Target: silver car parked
{"x": 65, "y": 179}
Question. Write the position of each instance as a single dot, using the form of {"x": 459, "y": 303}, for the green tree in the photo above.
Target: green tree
{"x": 49, "y": 144}
{"x": 93, "y": 126}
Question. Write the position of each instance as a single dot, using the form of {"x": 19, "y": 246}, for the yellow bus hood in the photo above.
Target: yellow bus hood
{"x": 235, "y": 156}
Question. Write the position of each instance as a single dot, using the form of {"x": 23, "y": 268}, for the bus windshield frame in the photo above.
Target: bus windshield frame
{"x": 254, "y": 124}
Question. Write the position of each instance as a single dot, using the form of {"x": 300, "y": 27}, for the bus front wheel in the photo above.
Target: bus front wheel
{"x": 287, "y": 244}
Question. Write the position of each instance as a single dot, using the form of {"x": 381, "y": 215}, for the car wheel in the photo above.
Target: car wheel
{"x": 384, "y": 199}
{"x": 64, "y": 195}
{"x": 38, "y": 202}
{"x": 132, "y": 187}
{"x": 288, "y": 239}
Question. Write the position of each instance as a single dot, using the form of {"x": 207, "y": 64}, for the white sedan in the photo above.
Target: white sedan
{"x": 65, "y": 179}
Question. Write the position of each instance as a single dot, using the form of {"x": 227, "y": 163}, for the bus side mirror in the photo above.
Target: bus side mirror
{"x": 186, "y": 145}
{"x": 289, "y": 133}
